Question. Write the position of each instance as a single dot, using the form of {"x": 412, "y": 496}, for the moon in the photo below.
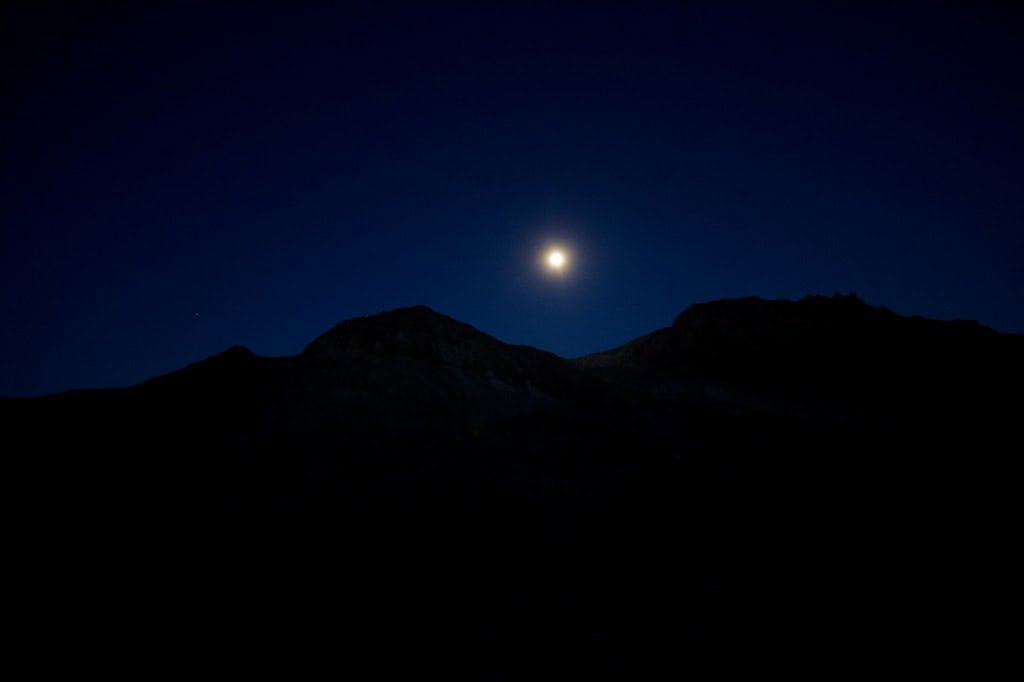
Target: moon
{"x": 556, "y": 259}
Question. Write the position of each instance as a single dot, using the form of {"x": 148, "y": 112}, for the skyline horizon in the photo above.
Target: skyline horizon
{"x": 848, "y": 297}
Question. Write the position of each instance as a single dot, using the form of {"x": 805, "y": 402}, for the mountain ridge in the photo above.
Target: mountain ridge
{"x": 386, "y": 333}
{"x": 675, "y": 488}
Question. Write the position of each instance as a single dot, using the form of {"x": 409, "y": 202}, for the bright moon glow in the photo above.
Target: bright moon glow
{"x": 556, "y": 259}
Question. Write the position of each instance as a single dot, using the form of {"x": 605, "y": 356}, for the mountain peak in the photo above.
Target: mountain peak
{"x": 756, "y": 310}
{"x": 415, "y": 331}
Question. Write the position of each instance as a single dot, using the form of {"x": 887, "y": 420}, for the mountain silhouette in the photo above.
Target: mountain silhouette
{"x": 836, "y": 351}
{"x": 763, "y": 477}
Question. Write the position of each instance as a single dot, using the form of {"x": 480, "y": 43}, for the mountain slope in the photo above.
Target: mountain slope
{"x": 760, "y": 473}
{"x": 836, "y": 352}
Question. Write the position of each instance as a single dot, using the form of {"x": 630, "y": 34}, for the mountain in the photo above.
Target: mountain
{"x": 837, "y": 352}
{"x": 759, "y": 479}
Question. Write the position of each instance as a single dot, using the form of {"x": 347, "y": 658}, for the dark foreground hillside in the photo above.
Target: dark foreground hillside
{"x": 762, "y": 483}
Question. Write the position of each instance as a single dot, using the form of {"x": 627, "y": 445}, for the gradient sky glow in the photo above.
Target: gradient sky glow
{"x": 178, "y": 181}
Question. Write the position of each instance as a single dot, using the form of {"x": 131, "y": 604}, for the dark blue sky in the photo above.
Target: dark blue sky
{"x": 177, "y": 181}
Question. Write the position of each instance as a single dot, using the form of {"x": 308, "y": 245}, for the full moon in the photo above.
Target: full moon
{"x": 556, "y": 259}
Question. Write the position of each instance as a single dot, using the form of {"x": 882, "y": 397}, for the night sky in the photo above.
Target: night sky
{"x": 177, "y": 181}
